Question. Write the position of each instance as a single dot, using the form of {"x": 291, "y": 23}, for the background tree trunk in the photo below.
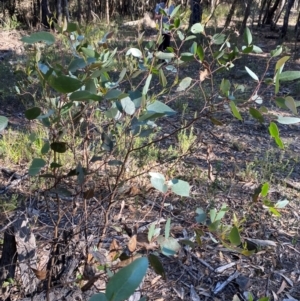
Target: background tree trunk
{"x": 246, "y": 16}
{"x": 231, "y": 13}
{"x": 196, "y": 12}
{"x": 286, "y": 18}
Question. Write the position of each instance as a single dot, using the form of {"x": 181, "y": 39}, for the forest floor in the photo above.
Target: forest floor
{"x": 224, "y": 165}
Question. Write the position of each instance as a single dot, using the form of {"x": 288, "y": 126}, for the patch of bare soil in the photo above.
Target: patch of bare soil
{"x": 225, "y": 166}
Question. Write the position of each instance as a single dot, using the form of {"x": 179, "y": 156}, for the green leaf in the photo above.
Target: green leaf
{"x": 257, "y": 49}
{"x": 197, "y": 28}
{"x": 164, "y": 55}
{"x": 234, "y": 236}
{"x": 256, "y": 114}
{"x": 289, "y": 75}
{"x": 46, "y": 147}
{"x": 98, "y": 297}
{"x": 161, "y": 108}
{"x": 3, "y": 123}
{"x": 235, "y": 111}
{"x": 201, "y": 216}
{"x": 281, "y": 204}
{"x": 162, "y": 78}
{"x": 151, "y": 232}
{"x": 59, "y": 147}
{"x": 180, "y": 35}
{"x": 200, "y": 53}
{"x": 225, "y": 86}
{"x": 157, "y": 265}
{"x": 123, "y": 284}
{"x": 276, "y": 52}
{"x": 77, "y": 63}
{"x": 89, "y": 53}
{"x": 113, "y": 94}
{"x": 36, "y": 165}
{"x": 248, "y": 49}
{"x": 169, "y": 246}
{"x": 128, "y": 105}
{"x": 64, "y": 84}
{"x": 248, "y": 36}
{"x": 279, "y": 142}
{"x": 290, "y": 103}
{"x": 180, "y": 187}
{"x": 41, "y": 36}
{"x": 84, "y": 95}
{"x": 273, "y": 130}
{"x": 33, "y": 113}
{"x": 71, "y": 27}
{"x": 158, "y": 181}
{"x": 134, "y": 52}
{"x": 288, "y": 120}
{"x": 184, "y": 84}
{"x": 218, "y": 39}
{"x": 265, "y": 189}
{"x": 167, "y": 228}
{"x": 281, "y": 62}
{"x": 174, "y": 12}
{"x": 221, "y": 213}
{"x": 252, "y": 74}
{"x": 193, "y": 48}
{"x": 147, "y": 84}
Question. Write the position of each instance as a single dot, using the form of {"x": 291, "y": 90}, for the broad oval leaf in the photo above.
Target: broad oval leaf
{"x": 289, "y": 75}
{"x": 164, "y": 55}
{"x": 3, "y": 122}
{"x": 64, "y": 84}
{"x": 180, "y": 187}
{"x": 281, "y": 204}
{"x": 160, "y": 108}
{"x": 197, "y": 28}
{"x": 59, "y": 147}
{"x": 234, "y": 236}
{"x": 134, "y": 52}
{"x": 123, "y": 284}
{"x": 169, "y": 246}
{"x": 184, "y": 84}
{"x": 276, "y": 51}
{"x": 157, "y": 265}
{"x": 33, "y": 113}
{"x": 128, "y": 105}
{"x": 36, "y": 165}
{"x": 248, "y": 36}
{"x": 41, "y": 36}
{"x": 281, "y": 62}
{"x": 256, "y": 114}
{"x": 158, "y": 181}
{"x": 290, "y": 103}
{"x": 218, "y": 39}
{"x": 257, "y": 49}
{"x": 252, "y": 74}
{"x": 84, "y": 95}
{"x": 288, "y": 120}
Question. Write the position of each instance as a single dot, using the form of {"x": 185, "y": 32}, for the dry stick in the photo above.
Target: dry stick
{"x": 114, "y": 192}
{"x": 54, "y": 249}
